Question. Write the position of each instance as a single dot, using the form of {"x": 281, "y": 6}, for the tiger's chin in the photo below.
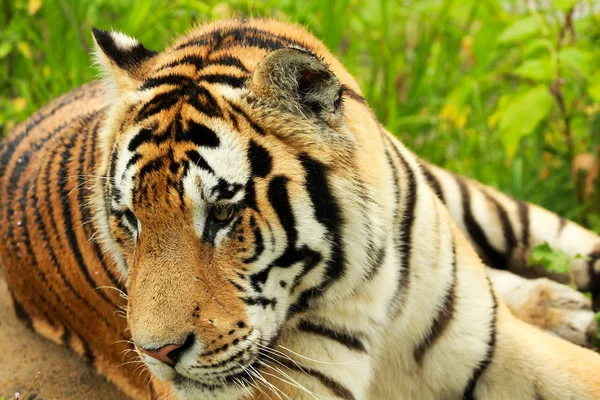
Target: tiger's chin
{"x": 237, "y": 384}
{"x": 235, "y": 387}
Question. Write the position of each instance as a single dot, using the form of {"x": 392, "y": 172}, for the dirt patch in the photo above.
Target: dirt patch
{"x": 63, "y": 374}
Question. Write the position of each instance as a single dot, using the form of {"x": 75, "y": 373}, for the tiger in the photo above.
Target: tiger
{"x": 231, "y": 213}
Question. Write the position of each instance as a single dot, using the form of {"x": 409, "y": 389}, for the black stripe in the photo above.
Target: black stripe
{"x": 250, "y": 195}
{"x": 45, "y": 239}
{"x": 88, "y": 353}
{"x": 492, "y": 257}
{"x": 199, "y": 134}
{"x": 443, "y": 318}
{"x": 66, "y": 336}
{"x": 350, "y": 341}
{"x": 39, "y": 223}
{"x": 562, "y": 222}
{"x": 114, "y": 157}
{"x": 346, "y": 91}
{"x": 507, "y": 228}
{"x": 376, "y": 259}
{"x": 433, "y": 182}
{"x": 192, "y": 59}
{"x": 279, "y": 199}
{"x": 259, "y": 300}
{"x": 261, "y": 161}
{"x": 143, "y": 136}
{"x": 469, "y": 393}
{"x": 229, "y": 61}
{"x": 150, "y": 167}
{"x": 204, "y": 102}
{"x": 406, "y": 225}
{"x": 594, "y": 277}
{"x": 85, "y": 210}
{"x": 67, "y": 215}
{"x": 258, "y": 242}
{"x": 196, "y": 96}
{"x": 22, "y": 315}
{"x": 260, "y": 130}
{"x": 199, "y": 161}
{"x": 327, "y": 212}
{"x": 524, "y": 217}
{"x": 225, "y": 38}
{"x": 159, "y": 103}
{"x": 396, "y": 184}
{"x": 224, "y": 79}
{"x": 237, "y": 286}
{"x": 132, "y": 161}
{"x": 26, "y": 245}
{"x": 21, "y": 164}
{"x": 200, "y": 62}
{"x": 172, "y": 79}
{"x": 10, "y": 144}
{"x": 334, "y": 386}
{"x": 278, "y": 196}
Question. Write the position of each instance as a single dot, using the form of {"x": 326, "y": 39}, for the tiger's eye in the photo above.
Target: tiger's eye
{"x": 222, "y": 214}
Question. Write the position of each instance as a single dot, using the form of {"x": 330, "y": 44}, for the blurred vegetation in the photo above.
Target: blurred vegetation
{"x": 505, "y": 91}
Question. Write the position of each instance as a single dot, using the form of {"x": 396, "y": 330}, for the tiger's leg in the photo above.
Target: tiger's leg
{"x": 554, "y": 307}
{"x": 505, "y": 230}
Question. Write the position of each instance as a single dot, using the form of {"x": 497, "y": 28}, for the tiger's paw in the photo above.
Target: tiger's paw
{"x": 551, "y": 306}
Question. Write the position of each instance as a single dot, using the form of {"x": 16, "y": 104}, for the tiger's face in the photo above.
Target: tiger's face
{"x": 215, "y": 205}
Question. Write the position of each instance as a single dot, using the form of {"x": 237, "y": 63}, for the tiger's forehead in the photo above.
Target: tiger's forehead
{"x": 191, "y": 156}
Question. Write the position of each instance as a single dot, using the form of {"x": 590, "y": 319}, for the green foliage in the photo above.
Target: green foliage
{"x": 522, "y": 114}
{"x": 505, "y": 91}
{"x": 552, "y": 259}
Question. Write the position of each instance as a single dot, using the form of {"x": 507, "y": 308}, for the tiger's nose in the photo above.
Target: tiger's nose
{"x": 171, "y": 353}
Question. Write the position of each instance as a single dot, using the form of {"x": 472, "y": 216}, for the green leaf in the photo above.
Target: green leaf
{"x": 553, "y": 260}
{"x": 519, "y": 30}
{"x": 539, "y": 70}
{"x": 522, "y": 115}
{"x": 535, "y": 45}
{"x": 564, "y": 5}
{"x": 5, "y": 49}
{"x": 594, "y": 89}
{"x": 577, "y": 60}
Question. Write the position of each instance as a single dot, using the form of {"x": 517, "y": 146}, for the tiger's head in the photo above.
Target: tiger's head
{"x": 234, "y": 194}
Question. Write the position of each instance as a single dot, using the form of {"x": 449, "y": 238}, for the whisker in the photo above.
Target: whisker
{"x": 324, "y": 362}
{"x": 279, "y": 354}
{"x": 295, "y": 382}
{"x": 269, "y": 385}
{"x": 122, "y": 293}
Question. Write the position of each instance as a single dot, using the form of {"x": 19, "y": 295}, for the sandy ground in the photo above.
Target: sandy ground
{"x": 63, "y": 374}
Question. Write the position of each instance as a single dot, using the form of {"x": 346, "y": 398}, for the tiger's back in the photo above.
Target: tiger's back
{"x": 66, "y": 292}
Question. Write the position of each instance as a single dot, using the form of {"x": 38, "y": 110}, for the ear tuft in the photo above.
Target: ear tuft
{"x": 296, "y": 78}
{"x": 122, "y": 56}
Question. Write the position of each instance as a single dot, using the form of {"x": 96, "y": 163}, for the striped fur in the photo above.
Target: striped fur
{"x": 239, "y": 193}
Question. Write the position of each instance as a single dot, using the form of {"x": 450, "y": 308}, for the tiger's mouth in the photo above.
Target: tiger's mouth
{"x": 240, "y": 370}
{"x": 245, "y": 376}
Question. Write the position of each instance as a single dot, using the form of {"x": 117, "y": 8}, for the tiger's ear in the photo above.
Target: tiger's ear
{"x": 297, "y": 80}
{"x": 123, "y": 58}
